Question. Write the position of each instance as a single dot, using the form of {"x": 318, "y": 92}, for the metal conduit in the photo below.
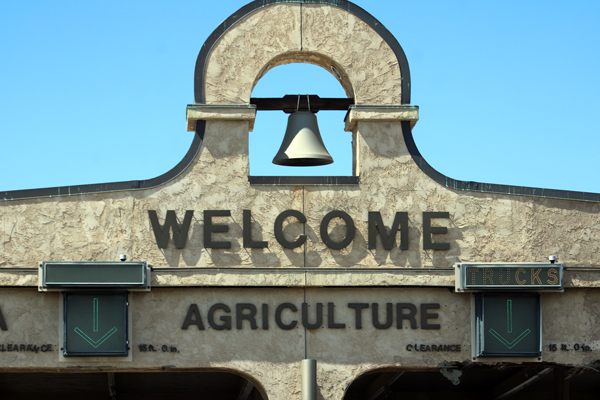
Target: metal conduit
{"x": 309, "y": 379}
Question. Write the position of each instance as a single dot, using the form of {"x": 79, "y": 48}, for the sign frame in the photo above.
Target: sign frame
{"x": 124, "y": 352}
{"x": 462, "y": 284}
{"x": 47, "y": 284}
{"x": 480, "y": 326}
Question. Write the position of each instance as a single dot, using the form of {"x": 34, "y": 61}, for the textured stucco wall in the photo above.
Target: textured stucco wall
{"x": 318, "y": 34}
{"x": 481, "y": 228}
{"x": 272, "y": 356}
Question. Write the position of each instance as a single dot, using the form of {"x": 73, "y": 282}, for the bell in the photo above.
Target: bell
{"x": 302, "y": 145}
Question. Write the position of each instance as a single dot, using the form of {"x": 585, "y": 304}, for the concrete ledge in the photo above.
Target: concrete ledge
{"x": 18, "y": 277}
{"x": 211, "y": 112}
{"x": 345, "y": 278}
{"x": 381, "y": 114}
{"x": 582, "y": 278}
{"x": 301, "y": 277}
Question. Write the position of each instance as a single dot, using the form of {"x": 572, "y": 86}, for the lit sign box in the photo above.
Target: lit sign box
{"x": 95, "y": 324}
{"x": 509, "y": 276}
{"x": 508, "y": 325}
{"x": 123, "y": 275}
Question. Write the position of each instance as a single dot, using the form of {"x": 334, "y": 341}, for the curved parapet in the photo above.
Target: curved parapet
{"x": 253, "y": 40}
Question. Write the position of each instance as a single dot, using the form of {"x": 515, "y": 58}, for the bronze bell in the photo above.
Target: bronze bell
{"x": 302, "y": 145}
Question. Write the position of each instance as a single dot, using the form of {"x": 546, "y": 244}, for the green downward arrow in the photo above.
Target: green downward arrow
{"x": 509, "y": 329}
{"x": 95, "y": 343}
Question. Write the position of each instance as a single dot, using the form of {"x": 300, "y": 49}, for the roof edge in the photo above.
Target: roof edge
{"x": 480, "y": 187}
{"x": 114, "y": 186}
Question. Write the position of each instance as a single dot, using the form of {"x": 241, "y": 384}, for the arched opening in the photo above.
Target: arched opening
{"x": 529, "y": 381}
{"x": 270, "y": 126}
{"x": 127, "y": 386}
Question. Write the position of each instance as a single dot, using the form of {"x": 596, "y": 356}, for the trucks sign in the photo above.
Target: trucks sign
{"x": 509, "y": 276}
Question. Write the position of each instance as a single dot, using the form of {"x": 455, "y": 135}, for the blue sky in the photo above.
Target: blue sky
{"x": 96, "y": 92}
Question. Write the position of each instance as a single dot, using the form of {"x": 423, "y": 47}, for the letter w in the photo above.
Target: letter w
{"x": 180, "y": 232}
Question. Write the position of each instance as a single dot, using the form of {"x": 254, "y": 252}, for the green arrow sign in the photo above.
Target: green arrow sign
{"x": 95, "y": 324}
{"x": 95, "y": 343}
{"x": 509, "y": 318}
{"x": 95, "y": 317}
{"x": 508, "y": 324}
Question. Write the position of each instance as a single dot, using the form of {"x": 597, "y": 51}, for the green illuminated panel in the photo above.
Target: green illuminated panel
{"x": 95, "y": 324}
{"x": 508, "y": 325}
{"x": 91, "y": 274}
{"x": 520, "y": 276}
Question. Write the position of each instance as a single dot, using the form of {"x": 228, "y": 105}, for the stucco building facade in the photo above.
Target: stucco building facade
{"x": 242, "y": 290}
